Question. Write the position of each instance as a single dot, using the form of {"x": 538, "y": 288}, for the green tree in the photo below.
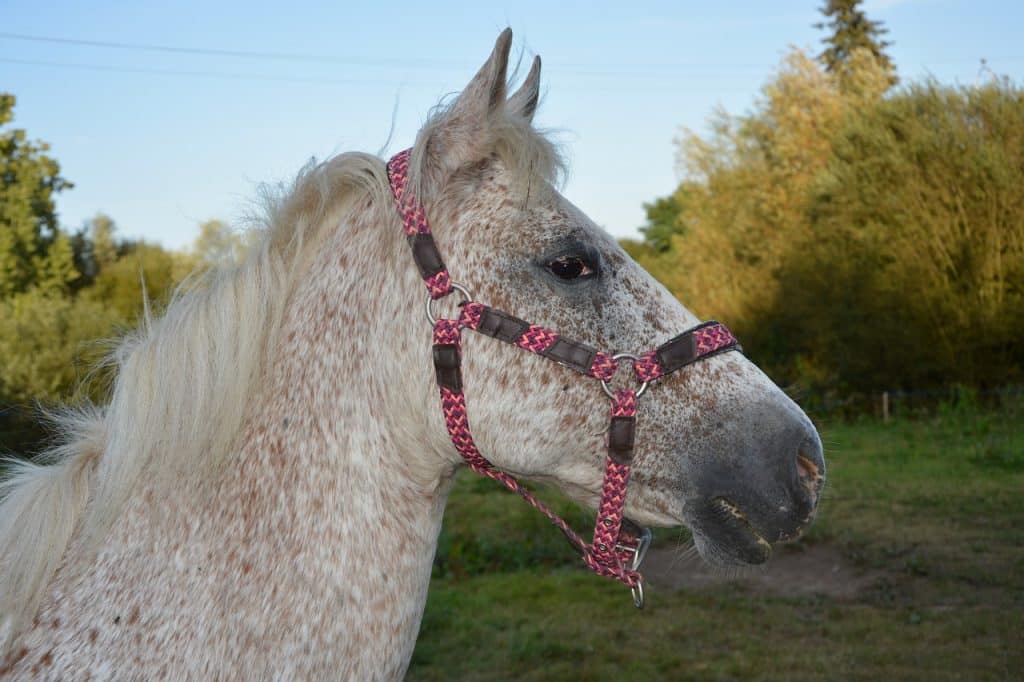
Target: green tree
{"x": 917, "y": 258}
{"x": 143, "y": 275}
{"x": 744, "y": 197}
{"x": 102, "y": 231}
{"x": 33, "y": 251}
{"x": 95, "y": 247}
{"x": 59, "y": 293}
{"x": 218, "y": 245}
{"x": 48, "y": 345}
{"x": 663, "y": 222}
{"x": 858, "y": 238}
{"x": 850, "y": 31}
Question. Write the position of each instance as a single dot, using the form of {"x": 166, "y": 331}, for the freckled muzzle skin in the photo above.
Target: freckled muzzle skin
{"x": 748, "y": 462}
{"x": 759, "y": 493}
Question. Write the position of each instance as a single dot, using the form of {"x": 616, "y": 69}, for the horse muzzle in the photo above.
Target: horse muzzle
{"x": 745, "y": 506}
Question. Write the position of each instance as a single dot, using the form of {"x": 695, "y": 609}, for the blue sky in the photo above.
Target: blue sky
{"x": 164, "y": 140}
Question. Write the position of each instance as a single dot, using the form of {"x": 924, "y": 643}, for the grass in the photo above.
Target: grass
{"x": 933, "y": 506}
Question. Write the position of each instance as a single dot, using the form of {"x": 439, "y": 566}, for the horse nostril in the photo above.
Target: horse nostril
{"x": 811, "y": 475}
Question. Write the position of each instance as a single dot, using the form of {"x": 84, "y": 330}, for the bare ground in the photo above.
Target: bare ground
{"x": 811, "y": 570}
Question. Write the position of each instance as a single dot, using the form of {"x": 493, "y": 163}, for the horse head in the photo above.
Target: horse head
{"x": 719, "y": 448}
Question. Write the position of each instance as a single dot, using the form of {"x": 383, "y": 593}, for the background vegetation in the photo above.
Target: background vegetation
{"x": 858, "y": 233}
{"x": 62, "y": 291}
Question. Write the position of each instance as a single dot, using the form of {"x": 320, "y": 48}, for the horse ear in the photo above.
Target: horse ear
{"x": 485, "y": 94}
{"x": 524, "y": 101}
{"x": 461, "y": 133}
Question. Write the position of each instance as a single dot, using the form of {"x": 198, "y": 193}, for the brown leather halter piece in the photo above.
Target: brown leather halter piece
{"x": 618, "y": 545}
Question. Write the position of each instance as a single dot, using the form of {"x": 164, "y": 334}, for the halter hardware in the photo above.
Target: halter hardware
{"x": 618, "y": 548}
{"x": 466, "y": 298}
{"x": 639, "y": 554}
{"x": 624, "y": 356}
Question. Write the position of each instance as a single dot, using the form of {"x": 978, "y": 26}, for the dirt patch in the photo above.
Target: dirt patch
{"x": 814, "y": 569}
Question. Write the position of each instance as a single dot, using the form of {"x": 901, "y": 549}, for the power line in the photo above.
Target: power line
{"x": 219, "y": 52}
{"x": 209, "y": 74}
{"x": 569, "y": 67}
{"x": 319, "y": 81}
{"x": 631, "y": 70}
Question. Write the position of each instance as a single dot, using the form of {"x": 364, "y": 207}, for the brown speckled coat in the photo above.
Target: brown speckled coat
{"x": 306, "y": 553}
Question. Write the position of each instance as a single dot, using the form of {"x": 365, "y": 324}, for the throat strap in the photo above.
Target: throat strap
{"x": 612, "y": 551}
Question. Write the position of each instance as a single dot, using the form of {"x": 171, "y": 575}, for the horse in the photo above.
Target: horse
{"x": 262, "y": 495}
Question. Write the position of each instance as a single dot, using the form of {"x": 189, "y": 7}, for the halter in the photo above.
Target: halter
{"x": 618, "y": 546}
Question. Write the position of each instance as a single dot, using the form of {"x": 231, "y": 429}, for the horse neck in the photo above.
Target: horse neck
{"x": 336, "y": 469}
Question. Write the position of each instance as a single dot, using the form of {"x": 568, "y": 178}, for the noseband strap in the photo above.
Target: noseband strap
{"x": 618, "y": 546}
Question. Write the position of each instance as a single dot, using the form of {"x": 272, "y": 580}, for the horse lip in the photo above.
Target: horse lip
{"x": 738, "y": 541}
{"x": 737, "y": 513}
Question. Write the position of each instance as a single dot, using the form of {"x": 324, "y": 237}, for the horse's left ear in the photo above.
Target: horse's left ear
{"x": 461, "y": 134}
{"x": 524, "y": 102}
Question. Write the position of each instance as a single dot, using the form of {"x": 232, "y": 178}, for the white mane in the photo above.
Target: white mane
{"x": 184, "y": 382}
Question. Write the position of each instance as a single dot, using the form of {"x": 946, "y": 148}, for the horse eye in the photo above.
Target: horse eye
{"x": 570, "y": 267}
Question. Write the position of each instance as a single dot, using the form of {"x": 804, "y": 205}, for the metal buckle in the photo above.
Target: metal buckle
{"x": 620, "y": 356}
{"x": 638, "y": 594}
{"x": 639, "y": 553}
{"x": 455, "y": 287}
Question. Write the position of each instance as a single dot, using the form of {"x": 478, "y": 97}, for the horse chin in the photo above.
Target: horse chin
{"x": 732, "y": 545}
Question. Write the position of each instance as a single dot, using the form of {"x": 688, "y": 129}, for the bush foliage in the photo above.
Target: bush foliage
{"x": 62, "y": 292}
{"x": 857, "y": 237}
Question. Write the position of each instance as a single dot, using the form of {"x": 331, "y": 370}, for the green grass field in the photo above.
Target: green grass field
{"x": 931, "y": 510}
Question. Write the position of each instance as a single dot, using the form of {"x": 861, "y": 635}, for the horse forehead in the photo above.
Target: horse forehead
{"x": 558, "y": 218}
{"x": 535, "y": 224}
{"x": 498, "y": 192}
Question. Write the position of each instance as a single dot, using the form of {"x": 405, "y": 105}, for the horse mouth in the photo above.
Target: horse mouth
{"x": 726, "y": 537}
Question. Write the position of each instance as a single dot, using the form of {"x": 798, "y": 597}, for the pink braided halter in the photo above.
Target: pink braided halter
{"x": 618, "y": 545}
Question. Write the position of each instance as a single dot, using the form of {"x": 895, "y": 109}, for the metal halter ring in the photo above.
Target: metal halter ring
{"x": 639, "y": 552}
{"x": 638, "y": 594}
{"x": 456, "y": 287}
{"x": 620, "y": 356}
